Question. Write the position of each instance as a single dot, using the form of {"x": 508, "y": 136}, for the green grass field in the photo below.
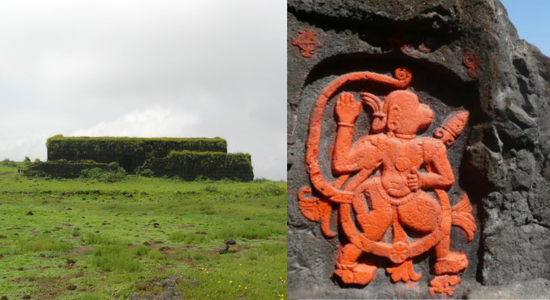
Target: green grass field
{"x": 92, "y": 240}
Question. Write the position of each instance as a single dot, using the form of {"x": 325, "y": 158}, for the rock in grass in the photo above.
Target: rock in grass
{"x": 168, "y": 294}
{"x": 230, "y": 241}
{"x": 30, "y": 213}
{"x": 224, "y": 248}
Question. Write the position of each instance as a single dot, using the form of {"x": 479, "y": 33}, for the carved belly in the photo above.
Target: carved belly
{"x": 395, "y": 185}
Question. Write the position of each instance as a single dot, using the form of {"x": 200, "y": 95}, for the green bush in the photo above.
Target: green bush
{"x": 147, "y": 173}
{"x": 273, "y": 190}
{"x": 113, "y": 166}
{"x": 8, "y": 163}
{"x": 261, "y": 180}
{"x": 198, "y": 166}
{"x": 211, "y": 189}
{"x": 104, "y": 176}
{"x": 141, "y": 250}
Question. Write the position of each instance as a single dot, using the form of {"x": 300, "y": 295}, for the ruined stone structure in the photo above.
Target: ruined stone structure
{"x": 183, "y": 157}
{"x": 417, "y": 152}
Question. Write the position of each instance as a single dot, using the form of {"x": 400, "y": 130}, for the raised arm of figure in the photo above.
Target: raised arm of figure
{"x": 347, "y": 159}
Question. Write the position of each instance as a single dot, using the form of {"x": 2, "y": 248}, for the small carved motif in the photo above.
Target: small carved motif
{"x": 388, "y": 183}
{"x": 307, "y": 42}
{"x": 472, "y": 62}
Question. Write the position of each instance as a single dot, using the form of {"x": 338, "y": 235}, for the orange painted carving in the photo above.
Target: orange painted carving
{"x": 306, "y": 41}
{"x": 472, "y": 62}
{"x": 388, "y": 184}
{"x": 444, "y": 284}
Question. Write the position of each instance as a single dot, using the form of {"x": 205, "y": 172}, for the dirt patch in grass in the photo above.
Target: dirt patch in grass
{"x": 79, "y": 251}
{"x": 50, "y": 288}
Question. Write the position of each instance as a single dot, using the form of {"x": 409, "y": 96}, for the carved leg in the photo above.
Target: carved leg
{"x": 404, "y": 272}
{"x": 349, "y": 270}
{"x": 375, "y": 221}
{"x": 448, "y": 262}
{"x": 444, "y": 284}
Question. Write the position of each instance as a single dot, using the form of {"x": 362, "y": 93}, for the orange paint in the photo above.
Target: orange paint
{"x": 472, "y": 62}
{"x": 307, "y": 42}
{"x": 389, "y": 178}
{"x": 444, "y": 285}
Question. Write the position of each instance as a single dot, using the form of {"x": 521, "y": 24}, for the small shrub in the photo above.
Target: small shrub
{"x": 201, "y": 178}
{"x": 261, "y": 180}
{"x": 8, "y": 163}
{"x": 113, "y": 166}
{"x": 141, "y": 250}
{"x": 176, "y": 178}
{"x": 104, "y": 176}
{"x": 147, "y": 173}
{"x": 26, "y": 163}
{"x": 211, "y": 189}
{"x": 273, "y": 190}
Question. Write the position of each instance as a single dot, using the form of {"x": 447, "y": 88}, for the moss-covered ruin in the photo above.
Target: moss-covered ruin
{"x": 187, "y": 158}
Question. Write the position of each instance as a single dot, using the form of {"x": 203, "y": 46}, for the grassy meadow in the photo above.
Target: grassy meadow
{"x": 88, "y": 239}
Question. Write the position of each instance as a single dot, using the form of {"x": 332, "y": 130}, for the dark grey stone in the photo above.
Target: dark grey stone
{"x": 532, "y": 289}
{"x": 502, "y": 160}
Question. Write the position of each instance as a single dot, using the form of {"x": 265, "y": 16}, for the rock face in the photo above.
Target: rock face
{"x": 463, "y": 56}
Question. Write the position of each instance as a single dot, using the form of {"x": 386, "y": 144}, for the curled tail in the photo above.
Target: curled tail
{"x": 463, "y": 218}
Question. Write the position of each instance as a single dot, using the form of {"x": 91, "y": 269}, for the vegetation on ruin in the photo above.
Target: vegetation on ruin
{"x": 86, "y": 239}
{"x": 215, "y": 165}
{"x": 74, "y": 147}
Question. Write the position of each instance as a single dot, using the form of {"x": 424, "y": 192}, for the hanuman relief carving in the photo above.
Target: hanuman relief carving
{"x": 389, "y": 183}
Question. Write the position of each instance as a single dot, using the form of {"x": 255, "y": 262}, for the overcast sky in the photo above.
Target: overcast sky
{"x": 193, "y": 68}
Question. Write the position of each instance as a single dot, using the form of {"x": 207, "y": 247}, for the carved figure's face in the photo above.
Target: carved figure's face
{"x": 406, "y": 115}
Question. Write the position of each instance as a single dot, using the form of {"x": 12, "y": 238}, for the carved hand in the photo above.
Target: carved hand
{"x": 347, "y": 109}
{"x": 414, "y": 179}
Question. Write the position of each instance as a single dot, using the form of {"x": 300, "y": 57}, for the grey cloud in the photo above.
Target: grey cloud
{"x": 87, "y": 62}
